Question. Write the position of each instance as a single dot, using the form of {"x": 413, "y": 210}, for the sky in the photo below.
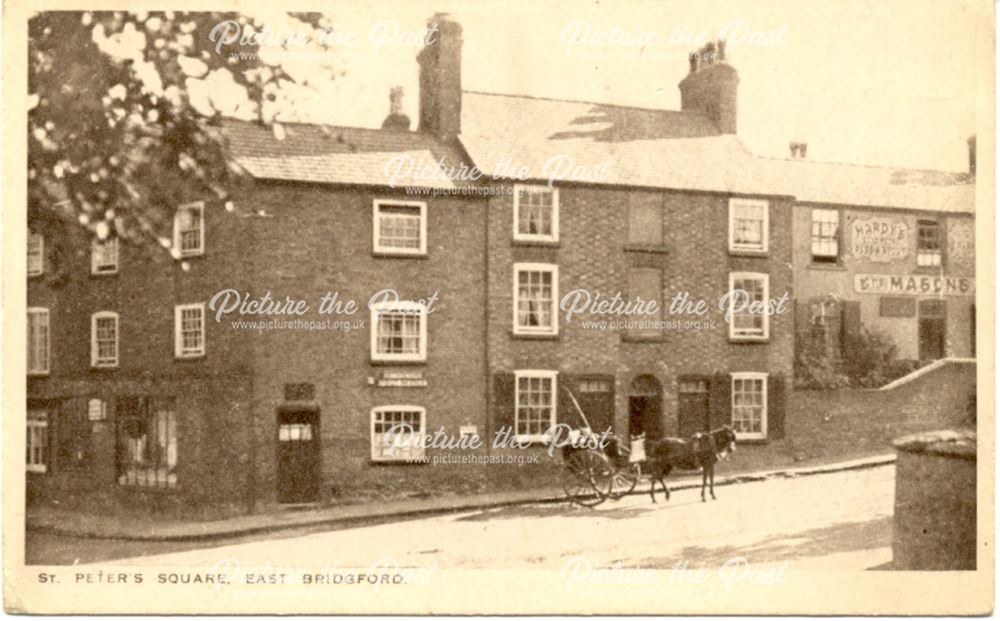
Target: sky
{"x": 881, "y": 83}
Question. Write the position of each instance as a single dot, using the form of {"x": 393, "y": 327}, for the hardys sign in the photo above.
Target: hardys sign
{"x": 914, "y": 285}
{"x": 880, "y": 239}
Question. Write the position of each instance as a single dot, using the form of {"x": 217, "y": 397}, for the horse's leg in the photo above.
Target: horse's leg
{"x": 652, "y": 487}
{"x": 704, "y": 481}
{"x": 666, "y": 490}
{"x": 711, "y": 480}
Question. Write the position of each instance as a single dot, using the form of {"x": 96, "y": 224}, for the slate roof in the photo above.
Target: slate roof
{"x": 583, "y": 142}
{"x": 341, "y": 155}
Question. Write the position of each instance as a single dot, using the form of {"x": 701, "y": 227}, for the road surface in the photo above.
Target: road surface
{"x": 830, "y": 521}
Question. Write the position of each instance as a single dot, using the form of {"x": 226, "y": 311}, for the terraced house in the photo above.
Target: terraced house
{"x": 141, "y": 393}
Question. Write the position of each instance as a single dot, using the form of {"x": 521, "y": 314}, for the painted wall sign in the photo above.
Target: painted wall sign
{"x": 880, "y": 239}
{"x": 403, "y": 379}
{"x": 962, "y": 243}
{"x": 895, "y": 284}
{"x": 96, "y": 410}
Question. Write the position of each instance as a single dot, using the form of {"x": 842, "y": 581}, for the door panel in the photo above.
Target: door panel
{"x": 298, "y": 457}
{"x": 693, "y": 411}
{"x": 596, "y": 397}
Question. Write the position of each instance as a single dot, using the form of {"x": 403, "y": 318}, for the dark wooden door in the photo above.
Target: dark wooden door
{"x": 597, "y": 400}
{"x": 298, "y": 456}
{"x": 692, "y": 405}
{"x": 932, "y": 329}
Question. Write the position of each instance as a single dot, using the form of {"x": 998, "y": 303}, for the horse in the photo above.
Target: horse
{"x": 701, "y": 452}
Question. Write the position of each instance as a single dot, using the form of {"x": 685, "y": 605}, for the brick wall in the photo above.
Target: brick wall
{"x": 317, "y": 240}
{"x": 694, "y": 258}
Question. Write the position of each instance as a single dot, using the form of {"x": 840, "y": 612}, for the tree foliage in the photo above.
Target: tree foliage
{"x": 117, "y": 133}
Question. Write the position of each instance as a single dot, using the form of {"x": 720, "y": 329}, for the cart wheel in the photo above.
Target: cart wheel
{"x": 581, "y": 475}
{"x": 624, "y": 481}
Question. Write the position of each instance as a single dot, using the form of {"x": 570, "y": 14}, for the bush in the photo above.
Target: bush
{"x": 816, "y": 369}
{"x": 869, "y": 359}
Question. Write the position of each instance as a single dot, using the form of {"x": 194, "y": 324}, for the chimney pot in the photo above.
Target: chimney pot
{"x": 798, "y": 149}
{"x": 710, "y": 87}
{"x": 972, "y": 155}
{"x": 396, "y": 120}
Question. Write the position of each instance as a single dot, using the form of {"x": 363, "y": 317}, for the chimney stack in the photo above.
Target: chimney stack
{"x": 441, "y": 78}
{"x": 972, "y": 155}
{"x": 710, "y": 86}
{"x": 396, "y": 121}
{"x": 798, "y": 150}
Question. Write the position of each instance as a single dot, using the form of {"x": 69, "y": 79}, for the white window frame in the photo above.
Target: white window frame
{"x": 95, "y": 360}
{"x": 819, "y": 258}
{"x": 96, "y": 267}
{"x": 405, "y": 307}
{"x": 762, "y": 434}
{"x": 199, "y": 208}
{"x": 38, "y": 310}
{"x": 766, "y": 324}
{"x": 36, "y": 269}
{"x": 553, "y": 416}
{"x": 765, "y": 226}
{"x": 535, "y": 237}
{"x": 41, "y": 426}
{"x": 404, "y": 452}
{"x": 179, "y": 351}
{"x": 551, "y": 268}
{"x": 377, "y": 246}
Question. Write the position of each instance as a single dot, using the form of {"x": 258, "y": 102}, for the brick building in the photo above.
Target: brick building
{"x": 177, "y": 405}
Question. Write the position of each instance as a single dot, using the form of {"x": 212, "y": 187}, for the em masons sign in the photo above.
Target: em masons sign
{"x": 895, "y": 284}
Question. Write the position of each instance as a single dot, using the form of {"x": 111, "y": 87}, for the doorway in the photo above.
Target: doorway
{"x": 597, "y": 400}
{"x": 692, "y": 406}
{"x": 931, "y": 318}
{"x": 298, "y": 456}
{"x": 645, "y": 407}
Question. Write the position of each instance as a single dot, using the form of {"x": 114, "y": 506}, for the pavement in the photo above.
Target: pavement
{"x": 48, "y": 520}
{"x": 838, "y": 520}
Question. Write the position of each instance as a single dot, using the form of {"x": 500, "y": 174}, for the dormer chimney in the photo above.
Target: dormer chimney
{"x": 396, "y": 120}
{"x": 441, "y": 78}
{"x": 710, "y": 86}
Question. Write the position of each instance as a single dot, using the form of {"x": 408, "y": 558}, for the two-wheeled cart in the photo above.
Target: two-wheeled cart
{"x": 595, "y": 470}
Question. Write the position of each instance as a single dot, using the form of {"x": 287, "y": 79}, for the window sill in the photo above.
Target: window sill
{"x": 380, "y": 254}
{"x": 827, "y": 267}
{"x": 755, "y": 254}
{"x": 544, "y": 243}
{"x": 534, "y": 337}
{"x": 635, "y": 338}
{"x": 417, "y": 461}
{"x": 103, "y": 274}
{"x": 189, "y": 357}
{"x": 928, "y": 271}
{"x": 45, "y": 374}
{"x": 147, "y": 489}
{"x": 752, "y": 441}
{"x": 647, "y": 248}
{"x": 749, "y": 340}
{"x": 192, "y": 255}
{"x": 101, "y": 368}
{"x": 391, "y": 362}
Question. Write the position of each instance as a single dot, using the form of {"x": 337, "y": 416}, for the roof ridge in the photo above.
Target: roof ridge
{"x": 856, "y": 165}
{"x": 585, "y": 101}
{"x": 316, "y": 124}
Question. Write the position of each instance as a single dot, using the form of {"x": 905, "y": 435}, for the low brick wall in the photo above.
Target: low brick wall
{"x": 934, "y": 524}
{"x": 841, "y": 422}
